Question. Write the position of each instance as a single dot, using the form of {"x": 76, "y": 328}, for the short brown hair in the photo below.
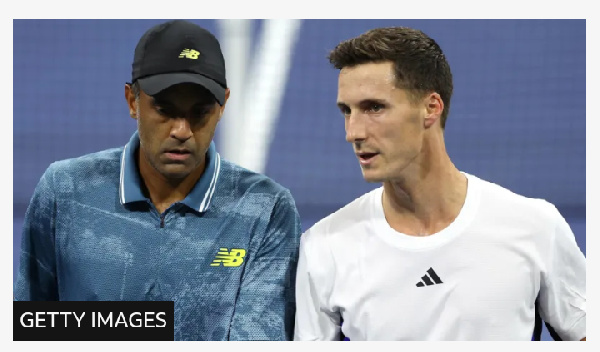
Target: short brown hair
{"x": 420, "y": 65}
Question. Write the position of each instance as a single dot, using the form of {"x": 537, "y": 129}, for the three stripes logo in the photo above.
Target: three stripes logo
{"x": 426, "y": 280}
{"x": 235, "y": 257}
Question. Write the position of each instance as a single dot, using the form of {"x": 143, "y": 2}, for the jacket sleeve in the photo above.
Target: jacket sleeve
{"x": 266, "y": 305}
{"x": 36, "y": 280}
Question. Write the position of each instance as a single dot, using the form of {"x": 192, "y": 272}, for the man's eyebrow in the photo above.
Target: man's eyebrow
{"x": 371, "y": 101}
{"x": 363, "y": 102}
{"x": 205, "y": 101}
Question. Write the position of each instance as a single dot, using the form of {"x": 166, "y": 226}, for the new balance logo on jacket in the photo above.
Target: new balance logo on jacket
{"x": 430, "y": 279}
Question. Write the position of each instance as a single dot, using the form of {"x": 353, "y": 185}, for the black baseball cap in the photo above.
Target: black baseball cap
{"x": 179, "y": 52}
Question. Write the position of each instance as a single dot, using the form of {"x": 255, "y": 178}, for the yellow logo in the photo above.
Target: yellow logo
{"x": 189, "y": 54}
{"x": 235, "y": 257}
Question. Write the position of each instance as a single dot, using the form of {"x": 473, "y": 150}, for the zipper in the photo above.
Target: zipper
{"x": 161, "y": 216}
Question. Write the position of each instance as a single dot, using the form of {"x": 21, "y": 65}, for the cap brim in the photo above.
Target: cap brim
{"x": 155, "y": 84}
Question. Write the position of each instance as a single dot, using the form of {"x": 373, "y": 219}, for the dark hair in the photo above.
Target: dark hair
{"x": 135, "y": 87}
{"x": 419, "y": 63}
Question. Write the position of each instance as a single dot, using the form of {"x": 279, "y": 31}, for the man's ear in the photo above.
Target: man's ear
{"x": 130, "y": 99}
{"x": 434, "y": 106}
{"x": 222, "y": 108}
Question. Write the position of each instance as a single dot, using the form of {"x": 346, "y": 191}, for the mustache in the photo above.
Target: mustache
{"x": 177, "y": 147}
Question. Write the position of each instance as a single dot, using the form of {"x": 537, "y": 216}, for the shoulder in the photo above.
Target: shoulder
{"x": 86, "y": 169}
{"x": 251, "y": 193}
{"x": 254, "y": 196}
{"x": 334, "y": 237}
{"x": 93, "y": 162}
{"x": 504, "y": 203}
{"x": 243, "y": 181}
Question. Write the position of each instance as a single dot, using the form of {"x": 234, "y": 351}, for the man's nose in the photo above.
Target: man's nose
{"x": 355, "y": 128}
{"x": 181, "y": 129}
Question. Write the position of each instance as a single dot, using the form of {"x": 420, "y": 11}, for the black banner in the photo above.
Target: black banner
{"x": 93, "y": 321}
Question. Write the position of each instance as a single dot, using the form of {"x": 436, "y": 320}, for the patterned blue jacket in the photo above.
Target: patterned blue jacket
{"x": 226, "y": 254}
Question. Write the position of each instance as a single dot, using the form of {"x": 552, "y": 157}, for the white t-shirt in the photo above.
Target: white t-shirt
{"x": 478, "y": 279}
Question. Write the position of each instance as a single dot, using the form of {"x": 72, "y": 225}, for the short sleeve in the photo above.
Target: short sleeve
{"x": 562, "y": 294}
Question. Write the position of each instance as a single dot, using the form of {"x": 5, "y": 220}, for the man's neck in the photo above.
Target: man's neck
{"x": 428, "y": 197}
{"x": 164, "y": 192}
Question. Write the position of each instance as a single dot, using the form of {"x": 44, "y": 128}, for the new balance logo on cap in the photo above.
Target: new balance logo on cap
{"x": 189, "y": 54}
{"x": 426, "y": 280}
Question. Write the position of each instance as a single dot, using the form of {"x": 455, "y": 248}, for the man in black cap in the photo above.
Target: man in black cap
{"x": 165, "y": 217}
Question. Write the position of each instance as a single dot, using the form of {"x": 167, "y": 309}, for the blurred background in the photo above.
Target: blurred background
{"x": 517, "y": 116}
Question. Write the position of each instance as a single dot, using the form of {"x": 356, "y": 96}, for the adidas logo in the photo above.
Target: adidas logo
{"x": 426, "y": 280}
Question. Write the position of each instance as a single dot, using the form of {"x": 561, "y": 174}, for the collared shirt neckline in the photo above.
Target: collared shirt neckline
{"x": 199, "y": 198}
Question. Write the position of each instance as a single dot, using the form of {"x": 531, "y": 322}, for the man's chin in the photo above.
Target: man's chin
{"x": 372, "y": 177}
{"x": 175, "y": 172}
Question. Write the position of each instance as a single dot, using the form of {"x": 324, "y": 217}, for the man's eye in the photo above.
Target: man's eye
{"x": 376, "y": 107}
{"x": 164, "y": 111}
{"x": 160, "y": 109}
{"x": 199, "y": 113}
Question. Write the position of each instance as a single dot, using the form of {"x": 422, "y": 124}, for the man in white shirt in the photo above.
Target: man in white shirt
{"x": 435, "y": 253}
